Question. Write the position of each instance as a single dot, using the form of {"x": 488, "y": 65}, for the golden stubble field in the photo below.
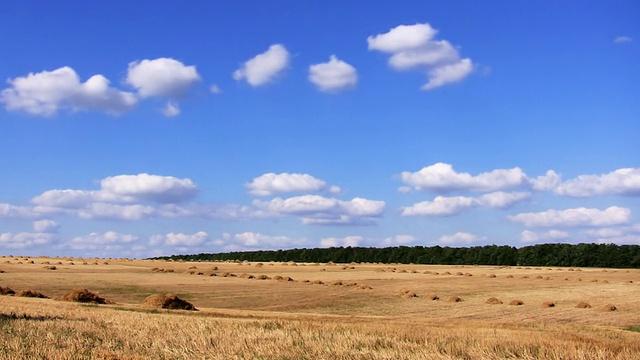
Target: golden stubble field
{"x": 317, "y": 311}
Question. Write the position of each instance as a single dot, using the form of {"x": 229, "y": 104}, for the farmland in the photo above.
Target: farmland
{"x": 318, "y": 310}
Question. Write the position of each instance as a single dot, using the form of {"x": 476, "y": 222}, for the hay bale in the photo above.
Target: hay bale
{"x": 84, "y": 296}
{"x": 433, "y": 297}
{"x": 406, "y": 294}
{"x": 509, "y": 276}
{"x": 278, "y": 278}
{"x": 50, "y": 267}
{"x": 192, "y": 267}
{"x": 493, "y": 301}
{"x": 32, "y": 294}
{"x": 455, "y": 299}
{"x": 6, "y": 291}
{"x": 365, "y": 287}
{"x": 263, "y": 277}
{"x": 446, "y": 273}
{"x": 609, "y": 307}
{"x": 247, "y": 276}
{"x": 468, "y": 274}
{"x": 318, "y": 282}
{"x": 379, "y": 270}
{"x": 583, "y": 305}
{"x": 548, "y": 304}
{"x": 460, "y": 273}
{"x": 337, "y": 283}
{"x": 516, "y": 302}
{"x": 168, "y": 301}
{"x": 492, "y": 276}
{"x": 351, "y": 284}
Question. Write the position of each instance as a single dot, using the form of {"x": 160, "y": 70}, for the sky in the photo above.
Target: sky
{"x": 147, "y": 128}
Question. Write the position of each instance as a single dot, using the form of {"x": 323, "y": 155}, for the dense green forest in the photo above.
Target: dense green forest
{"x": 580, "y": 255}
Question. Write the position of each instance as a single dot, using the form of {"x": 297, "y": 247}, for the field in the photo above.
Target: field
{"x": 317, "y": 311}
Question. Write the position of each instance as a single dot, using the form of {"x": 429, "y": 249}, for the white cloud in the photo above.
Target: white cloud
{"x": 441, "y": 177}
{"x": 319, "y": 210}
{"x": 258, "y": 240}
{"x": 263, "y": 68}
{"x": 333, "y": 76}
{"x": 618, "y": 235}
{"x": 613, "y": 215}
{"x": 109, "y": 240}
{"x": 215, "y": 89}
{"x": 528, "y": 236}
{"x": 399, "y": 240}
{"x": 270, "y": 183}
{"x": 546, "y": 182}
{"x": 162, "y": 189}
{"x": 619, "y": 182}
{"x": 45, "y": 226}
{"x": 8, "y": 211}
{"x": 47, "y": 92}
{"x": 346, "y": 241}
{"x": 162, "y": 77}
{"x": 460, "y": 238}
{"x": 447, "y": 206}
{"x": 106, "y": 211}
{"x": 171, "y": 109}
{"x": 413, "y": 46}
{"x": 24, "y": 239}
{"x": 441, "y": 206}
{"x": 180, "y": 239}
{"x": 502, "y": 200}
{"x": 622, "y": 39}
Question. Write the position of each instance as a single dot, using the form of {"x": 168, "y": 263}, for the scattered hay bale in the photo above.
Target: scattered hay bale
{"x": 351, "y": 284}
{"x": 6, "y": 291}
{"x": 524, "y": 277}
{"x": 516, "y": 302}
{"x": 168, "y": 301}
{"x": 337, "y": 283}
{"x": 414, "y": 271}
{"x": 539, "y": 277}
{"x": 259, "y": 265}
{"x": 426, "y": 272}
{"x": 403, "y": 271}
{"x": 84, "y": 296}
{"x": 433, "y": 297}
{"x": 200, "y": 273}
{"x": 446, "y": 273}
{"x": 493, "y": 301}
{"x": 629, "y": 281}
{"x": 455, "y": 299}
{"x": 509, "y": 276}
{"x": 605, "y": 281}
{"x": 32, "y": 294}
{"x": 318, "y": 282}
{"x": 492, "y": 276}
{"x": 583, "y": 305}
{"x": 379, "y": 270}
{"x": 192, "y": 267}
{"x": 570, "y": 269}
{"x": 278, "y": 278}
{"x": 262, "y": 277}
{"x": 50, "y": 267}
{"x": 365, "y": 287}
{"x": 247, "y": 276}
{"x": 215, "y": 268}
{"x": 460, "y": 273}
{"x": 548, "y": 304}
{"x": 609, "y": 307}
{"x": 547, "y": 278}
{"x": 46, "y": 263}
{"x": 406, "y": 294}
{"x": 468, "y": 274}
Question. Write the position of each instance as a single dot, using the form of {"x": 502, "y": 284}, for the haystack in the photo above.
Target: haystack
{"x": 84, "y": 296}
{"x": 455, "y": 299}
{"x": 609, "y": 307}
{"x": 50, "y": 267}
{"x": 548, "y": 304}
{"x": 583, "y": 305}
{"x": 433, "y": 297}
{"x": 516, "y": 302}
{"x": 32, "y": 294}
{"x": 6, "y": 291}
{"x": 493, "y": 301}
{"x": 168, "y": 301}
{"x": 406, "y": 294}
{"x": 492, "y": 276}
{"x": 263, "y": 277}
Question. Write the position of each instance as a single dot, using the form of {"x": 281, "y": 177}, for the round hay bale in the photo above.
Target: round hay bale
{"x": 318, "y": 282}
{"x": 84, "y": 296}
{"x": 50, "y": 267}
{"x": 509, "y": 276}
{"x": 337, "y": 283}
{"x": 406, "y": 294}
{"x": 583, "y": 305}
{"x": 168, "y": 301}
{"x": 516, "y": 302}
{"x": 446, "y": 273}
{"x": 379, "y": 270}
{"x": 263, "y": 277}
{"x": 493, "y": 301}
{"x": 414, "y": 271}
{"x": 492, "y": 276}
{"x": 32, "y": 294}
{"x": 6, "y": 291}
{"x": 351, "y": 284}
{"x": 539, "y": 277}
{"x": 455, "y": 299}
{"x": 192, "y": 267}
{"x": 468, "y": 274}
{"x": 548, "y": 304}
{"x": 433, "y": 297}
{"x": 278, "y": 278}
{"x": 427, "y": 272}
{"x": 259, "y": 265}
{"x": 460, "y": 273}
{"x": 365, "y": 287}
{"x": 609, "y": 307}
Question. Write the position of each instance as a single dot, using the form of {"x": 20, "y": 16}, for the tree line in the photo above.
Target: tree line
{"x": 580, "y": 255}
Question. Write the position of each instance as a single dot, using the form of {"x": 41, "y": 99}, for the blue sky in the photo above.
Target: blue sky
{"x": 156, "y": 128}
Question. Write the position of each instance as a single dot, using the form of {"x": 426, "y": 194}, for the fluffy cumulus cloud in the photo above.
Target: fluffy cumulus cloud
{"x": 265, "y": 67}
{"x": 333, "y": 76}
{"x": 47, "y": 92}
{"x": 528, "y": 236}
{"x": 341, "y": 242}
{"x": 447, "y": 206}
{"x": 441, "y": 177}
{"x": 618, "y": 235}
{"x": 45, "y": 226}
{"x": 624, "y": 182}
{"x": 171, "y": 109}
{"x": 399, "y": 240}
{"x": 162, "y": 189}
{"x": 9, "y": 211}
{"x": 162, "y": 77}
{"x": 460, "y": 238}
{"x": 24, "y": 240}
{"x": 258, "y": 240}
{"x": 107, "y": 241}
{"x": 319, "y": 210}
{"x": 415, "y": 47}
{"x": 271, "y": 183}
{"x": 180, "y": 239}
{"x": 613, "y": 215}
{"x": 623, "y": 39}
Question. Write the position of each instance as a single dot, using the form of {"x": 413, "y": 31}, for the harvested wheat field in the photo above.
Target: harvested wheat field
{"x": 317, "y": 311}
